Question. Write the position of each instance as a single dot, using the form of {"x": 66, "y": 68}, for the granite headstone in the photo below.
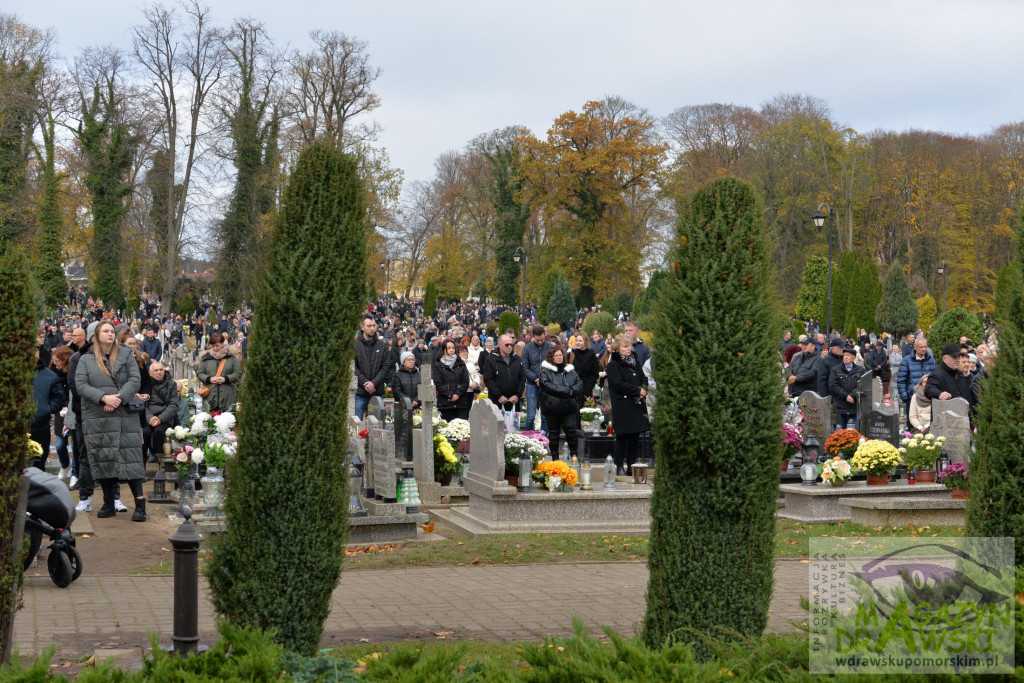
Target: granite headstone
{"x": 817, "y": 412}
{"x": 881, "y": 426}
{"x": 382, "y": 445}
{"x": 403, "y": 428}
{"x": 950, "y": 419}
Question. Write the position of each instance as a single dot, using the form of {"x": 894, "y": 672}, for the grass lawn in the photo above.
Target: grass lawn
{"x": 791, "y": 541}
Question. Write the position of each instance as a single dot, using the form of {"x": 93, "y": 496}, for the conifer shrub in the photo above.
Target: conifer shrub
{"x": 17, "y": 338}
{"x": 716, "y": 431}
{"x": 927, "y": 310}
{"x": 953, "y": 324}
{"x": 602, "y": 321}
{"x": 430, "y": 299}
{"x": 561, "y": 306}
{"x": 996, "y": 506}
{"x": 624, "y": 302}
{"x": 1007, "y": 284}
{"x": 813, "y": 290}
{"x": 547, "y": 289}
{"x": 280, "y": 559}
{"x": 509, "y": 321}
{"x": 897, "y": 312}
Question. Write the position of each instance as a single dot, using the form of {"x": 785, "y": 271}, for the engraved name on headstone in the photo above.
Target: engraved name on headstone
{"x": 881, "y": 426}
{"x": 382, "y": 445}
{"x": 817, "y": 412}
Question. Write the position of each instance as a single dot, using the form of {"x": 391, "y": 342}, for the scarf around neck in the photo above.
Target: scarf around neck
{"x": 921, "y": 398}
{"x": 629, "y": 360}
{"x": 218, "y": 355}
{"x": 448, "y": 361}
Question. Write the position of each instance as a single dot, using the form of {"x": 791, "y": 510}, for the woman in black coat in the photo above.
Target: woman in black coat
{"x": 627, "y": 386}
{"x": 586, "y": 364}
{"x": 452, "y": 381}
{"x": 560, "y": 390}
{"x": 407, "y": 380}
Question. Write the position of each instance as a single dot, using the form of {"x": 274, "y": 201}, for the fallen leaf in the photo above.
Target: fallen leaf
{"x": 476, "y": 561}
{"x": 86, "y": 536}
{"x": 443, "y": 634}
{"x": 364, "y": 640}
{"x": 91, "y": 661}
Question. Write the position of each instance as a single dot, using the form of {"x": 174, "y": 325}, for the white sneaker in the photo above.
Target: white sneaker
{"x": 73, "y": 483}
{"x": 84, "y": 505}
{"x": 119, "y": 506}
{"x": 64, "y": 474}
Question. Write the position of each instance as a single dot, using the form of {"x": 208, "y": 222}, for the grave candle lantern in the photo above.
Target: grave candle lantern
{"x": 609, "y": 473}
{"x": 525, "y": 469}
{"x": 586, "y": 477}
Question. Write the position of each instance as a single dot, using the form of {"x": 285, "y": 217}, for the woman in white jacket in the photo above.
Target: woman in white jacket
{"x": 920, "y": 408}
{"x": 472, "y": 367}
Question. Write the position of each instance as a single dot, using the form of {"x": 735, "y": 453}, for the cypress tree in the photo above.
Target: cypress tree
{"x": 896, "y": 313}
{"x": 813, "y": 290}
{"x": 430, "y": 299}
{"x": 996, "y": 506}
{"x": 17, "y": 316}
{"x": 50, "y": 271}
{"x": 509, "y": 321}
{"x": 624, "y": 302}
{"x": 844, "y": 281}
{"x": 869, "y": 292}
{"x": 288, "y": 516}
{"x": 551, "y": 278}
{"x": 1007, "y": 284}
{"x": 561, "y": 307}
{"x": 716, "y": 431}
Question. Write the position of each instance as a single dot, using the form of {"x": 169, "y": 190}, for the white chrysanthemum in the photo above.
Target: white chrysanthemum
{"x": 197, "y": 455}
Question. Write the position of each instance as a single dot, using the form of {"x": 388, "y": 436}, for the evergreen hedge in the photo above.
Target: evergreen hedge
{"x": 897, "y": 312}
{"x": 996, "y": 506}
{"x": 430, "y": 299}
{"x": 624, "y": 302}
{"x": 1007, "y": 284}
{"x": 813, "y": 290}
{"x": 509, "y": 320}
{"x": 287, "y": 513}
{"x": 602, "y": 321}
{"x": 716, "y": 430}
{"x": 953, "y": 324}
{"x": 17, "y": 338}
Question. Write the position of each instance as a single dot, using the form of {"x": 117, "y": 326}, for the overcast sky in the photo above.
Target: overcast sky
{"x": 452, "y": 70}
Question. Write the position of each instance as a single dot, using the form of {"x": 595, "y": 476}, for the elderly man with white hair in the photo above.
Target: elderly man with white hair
{"x": 161, "y": 411}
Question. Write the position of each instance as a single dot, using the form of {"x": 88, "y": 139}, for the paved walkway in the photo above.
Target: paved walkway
{"x": 494, "y": 603}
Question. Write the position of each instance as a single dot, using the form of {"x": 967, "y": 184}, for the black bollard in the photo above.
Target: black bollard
{"x": 185, "y": 542}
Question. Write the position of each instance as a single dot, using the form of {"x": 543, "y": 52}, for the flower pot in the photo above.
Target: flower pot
{"x": 512, "y": 480}
{"x": 446, "y": 479}
{"x": 837, "y": 482}
{"x": 926, "y": 476}
{"x": 961, "y": 494}
{"x": 785, "y": 465}
{"x": 882, "y": 480}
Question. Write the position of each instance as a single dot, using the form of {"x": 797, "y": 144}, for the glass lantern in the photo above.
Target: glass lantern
{"x": 609, "y": 472}
{"x": 525, "y": 470}
{"x": 213, "y": 492}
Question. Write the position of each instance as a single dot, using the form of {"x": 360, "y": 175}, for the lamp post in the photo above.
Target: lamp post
{"x": 819, "y": 222}
{"x": 386, "y": 265}
{"x": 942, "y": 272}
{"x": 520, "y": 255}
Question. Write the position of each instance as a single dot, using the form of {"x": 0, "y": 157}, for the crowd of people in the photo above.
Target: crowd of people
{"x": 833, "y": 368}
{"x": 546, "y": 377}
{"x": 103, "y": 387}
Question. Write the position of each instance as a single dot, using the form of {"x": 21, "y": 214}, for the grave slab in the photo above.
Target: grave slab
{"x": 901, "y": 511}
{"x": 809, "y": 504}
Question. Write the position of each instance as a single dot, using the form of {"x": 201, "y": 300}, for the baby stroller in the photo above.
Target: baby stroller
{"x": 50, "y": 513}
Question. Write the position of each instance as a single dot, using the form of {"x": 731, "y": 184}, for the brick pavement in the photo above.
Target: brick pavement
{"x": 493, "y": 603}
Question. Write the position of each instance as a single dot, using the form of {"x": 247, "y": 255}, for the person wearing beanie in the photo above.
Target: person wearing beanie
{"x": 407, "y": 379}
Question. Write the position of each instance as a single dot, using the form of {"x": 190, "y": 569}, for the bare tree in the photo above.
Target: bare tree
{"x": 333, "y": 84}
{"x": 188, "y": 58}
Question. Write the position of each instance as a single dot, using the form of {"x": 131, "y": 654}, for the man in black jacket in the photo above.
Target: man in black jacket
{"x": 502, "y": 372}
{"x": 946, "y": 381}
{"x": 842, "y": 385}
{"x": 803, "y": 371}
{"x": 832, "y": 360}
{"x": 372, "y": 357}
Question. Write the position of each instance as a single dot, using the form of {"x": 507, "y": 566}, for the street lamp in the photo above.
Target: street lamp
{"x": 819, "y": 222}
{"x": 942, "y": 272}
{"x": 520, "y": 255}
{"x": 386, "y": 265}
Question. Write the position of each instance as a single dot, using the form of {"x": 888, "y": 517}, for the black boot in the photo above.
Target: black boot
{"x": 140, "y": 510}
{"x": 108, "y": 499}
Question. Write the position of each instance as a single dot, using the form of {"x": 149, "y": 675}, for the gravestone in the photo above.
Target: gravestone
{"x": 876, "y": 393}
{"x": 424, "y": 465}
{"x": 817, "y": 415}
{"x": 403, "y": 429}
{"x": 881, "y": 426}
{"x": 950, "y": 419}
{"x": 358, "y": 445}
{"x": 382, "y": 447}
{"x": 487, "y": 442}
{"x": 865, "y": 395}
{"x": 376, "y": 409}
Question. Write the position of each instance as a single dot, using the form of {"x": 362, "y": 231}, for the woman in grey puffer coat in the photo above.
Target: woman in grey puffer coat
{"x": 106, "y": 380}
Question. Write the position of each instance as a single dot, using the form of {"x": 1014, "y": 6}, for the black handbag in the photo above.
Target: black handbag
{"x": 136, "y": 405}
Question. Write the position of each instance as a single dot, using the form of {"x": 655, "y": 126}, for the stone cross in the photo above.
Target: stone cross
{"x": 427, "y": 397}
{"x": 950, "y": 419}
{"x": 403, "y": 428}
{"x": 382, "y": 446}
{"x": 817, "y": 412}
